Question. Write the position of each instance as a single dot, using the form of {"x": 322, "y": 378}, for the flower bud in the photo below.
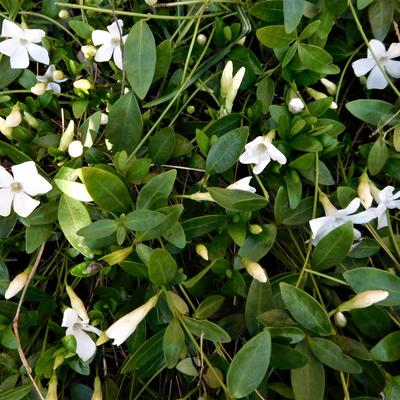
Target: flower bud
{"x": 295, "y": 105}
{"x": 17, "y": 284}
{"x": 83, "y": 84}
{"x": 364, "y": 299}
{"x": 226, "y": 78}
{"x": 75, "y": 149}
{"x": 77, "y": 304}
{"x": 63, "y": 14}
{"x": 31, "y": 120}
{"x": 364, "y": 191}
{"x": 89, "y": 52}
{"x": 58, "y": 75}
{"x": 5, "y": 129}
{"x": 151, "y": 3}
{"x": 340, "y": 319}
{"x": 374, "y": 191}
{"x": 14, "y": 118}
{"x": 331, "y": 88}
{"x": 52, "y": 389}
{"x": 178, "y": 303}
{"x": 103, "y": 338}
{"x": 200, "y": 196}
{"x": 190, "y": 109}
{"x": 201, "y": 39}
{"x": 241, "y": 41}
{"x": 202, "y": 251}
{"x": 329, "y": 208}
{"x": 67, "y": 137}
{"x": 39, "y": 89}
{"x": 319, "y": 96}
{"x": 97, "y": 393}
{"x": 103, "y": 119}
{"x": 58, "y": 360}
{"x": 255, "y": 270}
{"x": 233, "y": 89}
{"x": 255, "y": 229}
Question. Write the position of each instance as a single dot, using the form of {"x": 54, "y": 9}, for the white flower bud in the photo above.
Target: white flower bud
{"x": 340, "y": 319}
{"x": 255, "y": 270}
{"x": 109, "y": 145}
{"x": 31, "y": 120}
{"x": 226, "y": 78}
{"x": 83, "y": 84}
{"x": 364, "y": 191}
{"x": 52, "y": 389}
{"x": 97, "y": 393}
{"x": 374, "y": 191}
{"x": 103, "y": 119}
{"x": 63, "y": 14}
{"x": 77, "y": 304}
{"x": 67, "y": 137}
{"x": 17, "y": 284}
{"x": 151, "y": 3}
{"x": 202, "y": 251}
{"x": 200, "y": 196}
{"x": 58, "y": 75}
{"x": 88, "y": 52}
{"x": 255, "y": 229}
{"x": 5, "y": 129}
{"x": 295, "y": 105}
{"x": 75, "y": 149}
{"x": 201, "y": 39}
{"x": 233, "y": 89}
{"x": 329, "y": 208}
{"x": 331, "y": 88}
{"x": 241, "y": 41}
{"x": 319, "y": 96}
{"x": 14, "y": 118}
{"x": 364, "y": 299}
{"x": 39, "y": 89}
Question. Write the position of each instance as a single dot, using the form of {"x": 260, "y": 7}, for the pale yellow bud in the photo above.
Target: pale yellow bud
{"x": 295, "y": 105}
{"x": 201, "y": 39}
{"x": 83, "y": 84}
{"x": 151, "y": 3}
{"x": 233, "y": 89}
{"x": 226, "y": 78}
{"x": 58, "y": 75}
{"x": 97, "y": 393}
{"x": 331, "y": 88}
{"x": 364, "y": 191}
{"x": 374, "y": 191}
{"x": 103, "y": 338}
{"x": 17, "y": 284}
{"x": 63, "y": 14}
{"x": 58, "y": 361}
{"x": 52, "y": 389}
{"x": 67, "y": 137}
{"x": 14, "y": 118}
{"x": 89, "y": 52}
{"x": 270, "y": 136}
{"x": 319, "y": 96}
{"x": 39, "y": 89}
{"x": 241, "y": 41}
{"x": 255, "y": 270}
{"x": 340, "y": 319}
{"x": 364, "y": 299}
{"x": 200, "y": 196}
{"x": 255, "y": 229}
{"x": 329, "y": 208}
{"x": 5, "y": 129}
{"x": 31, "y": 120}
{"x": 202, "y": 251}
{"x": 77, "y": 304}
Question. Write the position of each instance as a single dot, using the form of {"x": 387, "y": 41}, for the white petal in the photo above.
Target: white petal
{"x": 357, "y": 234}
{"x": 24, "y": 170}
{"x": 55, "y": 87}
{"x": 85, "y": 346}
{"x": 32, "y": 183}
{"x": 5, "y": 178}
{"x": 70, "y": 317}
{"x": 364, "y": 216}
{"x": 382, "y": 220}
{"x": 100, "y": 37}
{"x": 351, "y": 208}
{"x": 19, "y": 59}
{"x": 275, "y": 154}
{"x": 10, "y": 29}
{"x": 6, "y": 199}
{"x": 317, "y": 224}
{"x": 243, "y": 184}
{"x": 90, "y": 328}
{"x": 116, "y": 28}
{"x": 393, "y": 50}
{"x": 118, "y": 57}
{"x": 376, "y": 79}
{"x": 393, "y": 68}
{"x": 260, "y": 166}
{"x": 8, "y": 46}
{"x": 104, "y": 53}
{"x": 377, "y": 47}
{"x": 363, "y": 66}
{"x": 38, "y": 53}
{"x": 393, "y": 204}
{"x": 248, "y": 158}
{"x": 386, "y": 194}
{"x": 24, "y": 204}
{"x": 34, "y": 35}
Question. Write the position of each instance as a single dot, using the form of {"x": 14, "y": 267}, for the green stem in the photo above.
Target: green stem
{"x": 331, "y": 278}
{"x": 392, "y": 236}
{"x": 265, "y": 192}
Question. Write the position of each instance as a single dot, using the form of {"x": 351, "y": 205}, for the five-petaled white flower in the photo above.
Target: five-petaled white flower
{"x": 76, "y": 326}
{"x": 22, "y": 45}
{"x": 243, "y": 184}
{"x": 16, "y": 190}
{"x": 50, "y": 79}
{"x": 334, "y": 218}
{"x": 386, "y": 200}
{"x": 260, "y": 152}
{"x": 121, "y": 329}
{"x": 376, "y": 79}
{"x": 110, "y": 43}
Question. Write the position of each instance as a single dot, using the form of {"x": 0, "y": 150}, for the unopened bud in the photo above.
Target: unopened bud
{"x": 190, "y": 109}
{"x": 67, "y": 137}
{"x": 319, "y": 96}
{"x": 52, "y": 389}
{"x": 200, "y": 196}
{"x": 201, "y": 39}
{"x": 364, "y": 299}
{"x": 5, "y": 129}
{"x": 374, "y": 191}
{"x": 103, "y": 338}
{"x": 77, "y": 304}
{"x": 14, "y": 118}
{"x": 364, "y": 191}
{"x": 329, "y": 208}
{"x": 63, "y": 14}
{"x": 340, "y": 319}
{"x": 331, "y": 88}
{"x": 255, "y": 229}
{"x": 75, "y": 149}
{"x": 241, "y": 41}
{"x": 202, "y": 251}
{"x": 295, "y": 105}
{"x": 151, "y": 3}
{"x": 89, "y": 52}
{"x": 58, "y": 75}
{"x": 97, "y": 393}
{"x": 31, "y": 120}
{"x": 17, "y": 284}
{"x": 39, "y": 89}
{"x": 103, "y": 119}
{"x": 255, "y": 270}
{"x": 83, "y": 84}
{"x": 226, "y": 78}
{"x": 58, "y": 360}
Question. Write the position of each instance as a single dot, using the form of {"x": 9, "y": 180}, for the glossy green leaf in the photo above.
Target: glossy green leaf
{"x": 140, "y": 58}
{"x": 17, "y": 393}
{"x": 294, "y": 188}
{"x": 164, "y": 56}
{"x": 99, "y": 229}
{"x": 161, "y": 145}
{"x": 208, "y": 330}
{"x": 372, "y": 111}
{"x": 377, "y": 156}
{"x": 35, "y": 235}
{"x": 257, "y": 246}
{"x": 284, "y": 357}
{"x": 274, "y": 36}
{"x": 209, "y": 306}
{"x": 199, "y": 226}
{"x": 292, "y": 13}
{"x": 316, "y": 59}
{"x": 249, "y": 366}
{"x": 162, "y": 267}
{"x": 380, "y": 15}
{"x": 173, "y": 343}
{"x": 143, "y": 220}
{"x": 387, "y": 349}
{"x": 305, "y": 310}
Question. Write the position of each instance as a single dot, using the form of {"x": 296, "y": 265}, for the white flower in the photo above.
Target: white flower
{"x": 16, "y": 190}
{"x": 364, "y": 299}
{"x": 49, "y": 79}
{"x": 260, "y": 152}
{"x": 295, "y": 105}
{"x": 255, "y": 270}
{"x": 376, "y": 80}
{"x": 230, "y": 85}
{"x": 17, "y": 284}
{"x": 243, "y": 184}
{"x": 103, "y": 119}
{"x": 126, "y": 325}
{"x": 334, "y": 218}
{"x": 386, "y": 200}
{"x": 110, "y": 43}
{"x": 22, "y": 45}
{"x": 76, "y": 326}
{"x": 75, "y": 149}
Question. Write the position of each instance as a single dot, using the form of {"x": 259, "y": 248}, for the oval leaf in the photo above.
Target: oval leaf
{"x": 388, "y": 349}
{"x": 162, "y": 267}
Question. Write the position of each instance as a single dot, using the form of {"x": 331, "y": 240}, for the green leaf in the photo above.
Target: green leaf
{"x": 257, "y": 246}
{"x": 208, "y": 330}
{"x": 364, "y": 278}
{"x": 275, "y": 36}
{"x": 361, "y": 4}
{"x": 143, "y": 220}
{"x": 294, "y": 188}
{"x": 108, "y": 191}
{"x": 316, "y": 59}
{"x": 292, "y": 13}
{"x": 226, "y": 150}
{"x": 156, "y": 191}
{"x": 249, "y": 366}
{"x": 35, "y": 235}
{"x": 164, "y": 56}
{"x": 99, "y": 229}
{"x": 306, "y": 166}
{"x": 209, "y": 306}
{"x": 265, "y": 93}
{"x": 332, "y": 355}
{"x": 306, "y": 143}
{"x": 380, "y": 15}
{"x": 284, "y": 357}
{"x": 7, "y": 74}
{"x": 238, "y": 200}
{"x": 162, "y": 267}
{"x": 335, "y": 246}
{"x": 373, "y": 112}
{"x": 377, "y": 156}
{"x": 73, "y": 216}
{"x": 199, "y": 226}
{"x": 305, "y": 310}
{"x": 125, "y": 124}
{"x": 269, "y": 11}
{"x": 173, "y": 343}
{"x": 81, "y": 28}
{"x": 308, "y": 382}
{"x": 17, "y": 393}
{"x": 161, "y": 145}
{"x": 140, "y": 58}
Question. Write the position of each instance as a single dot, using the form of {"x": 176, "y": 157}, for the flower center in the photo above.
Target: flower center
{"x": 16, "y": 187}
{"x": 115, "y": 41}
{"x": 24, "y": 42}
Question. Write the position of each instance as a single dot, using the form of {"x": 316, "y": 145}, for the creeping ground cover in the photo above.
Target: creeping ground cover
{"x": 199, "y": 199}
